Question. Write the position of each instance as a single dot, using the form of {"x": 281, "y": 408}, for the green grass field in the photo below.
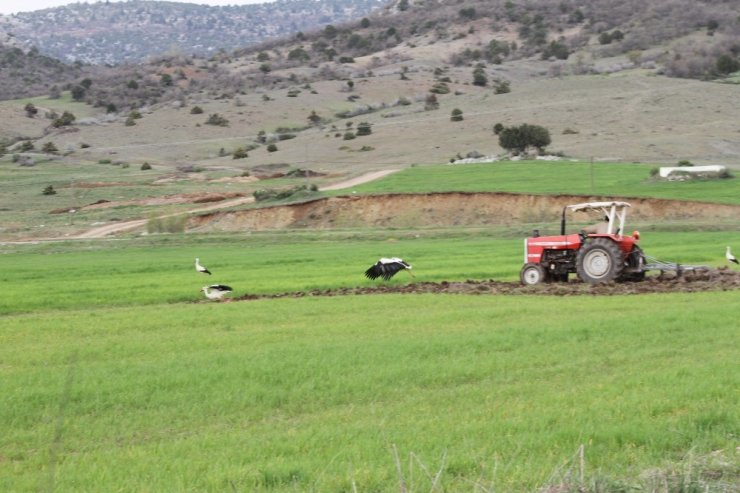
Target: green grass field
{"x": 62, "y": 276}
{"x": 315, "y": 394}
{"x": 114, "y": 380}
{"x": 116, "y": 374}
{"x": 558, "y": 177}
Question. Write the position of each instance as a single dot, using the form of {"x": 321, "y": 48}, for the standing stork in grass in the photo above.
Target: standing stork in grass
{"x": 730, "y": 257}
{"x": 387, "y": 268}
{"x": 200, "y": 268}
{"x": 216, "y": 291}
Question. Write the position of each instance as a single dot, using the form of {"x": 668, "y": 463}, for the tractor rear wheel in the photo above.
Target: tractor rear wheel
{"x": 532, "y": 274}
{"x": 600, "y": 260}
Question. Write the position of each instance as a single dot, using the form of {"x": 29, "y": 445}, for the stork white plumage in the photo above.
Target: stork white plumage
{"x": 216, "y": 291}
{"x": 387, "y": 268}
{"x": 200, "y": 268}
{"x": 730, "y": 257}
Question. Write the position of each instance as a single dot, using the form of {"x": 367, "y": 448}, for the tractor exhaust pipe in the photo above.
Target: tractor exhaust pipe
{"x": 562, "y": 222}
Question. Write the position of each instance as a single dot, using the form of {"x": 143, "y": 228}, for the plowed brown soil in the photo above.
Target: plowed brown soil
{"x": 688, "y": 282}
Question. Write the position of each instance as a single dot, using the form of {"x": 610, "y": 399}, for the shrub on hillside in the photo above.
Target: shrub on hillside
{"x": 66, "y": 119}
{"x": 30, "y": 110}
{"x": 501, "y": 86}
{"x": 518, "y": 139}
{"x": 431, "y": 102}
{"x": 282, "y": 194}
{"x": 364, "y": 128}
{"x": 26, "y": 146}
{"x": 479, "y": 76}
{"x": 217, "y": 120}
{"x": 49, "y": 148}
{"x": 440, "y": 88}
{"x": 298, "y": 55}
{"x": 314, "y": 118}
{"x": 555, "y": 50}
{"x": 170, "y": 224}
{"x": 240, "y": 153}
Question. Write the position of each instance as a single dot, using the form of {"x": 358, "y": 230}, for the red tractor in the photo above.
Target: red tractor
{"x": 599, "y": 253}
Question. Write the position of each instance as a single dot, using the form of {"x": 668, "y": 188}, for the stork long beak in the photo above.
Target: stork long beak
{"x": 409, "y": 271}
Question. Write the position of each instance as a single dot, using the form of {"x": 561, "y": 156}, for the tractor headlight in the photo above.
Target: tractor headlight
{"x": 636, "y": 235}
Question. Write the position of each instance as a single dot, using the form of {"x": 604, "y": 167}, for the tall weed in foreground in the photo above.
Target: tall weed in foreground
{"x": 716, "y": 472}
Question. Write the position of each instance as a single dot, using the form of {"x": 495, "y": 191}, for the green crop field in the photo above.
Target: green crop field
{"x": 318, "y": 394}
{"x": 54, "y": 276}
{"x": 116, "y": 375}
{"x": 558, "y": 177}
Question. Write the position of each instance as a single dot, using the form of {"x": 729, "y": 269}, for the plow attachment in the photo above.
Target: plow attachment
{"x": 652, "y": 263}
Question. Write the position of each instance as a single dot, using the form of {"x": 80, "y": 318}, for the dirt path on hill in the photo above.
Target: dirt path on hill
{"x": 121, "y": 227}
{"x": 359, "y": 180}
{"x": 124, "y": 226}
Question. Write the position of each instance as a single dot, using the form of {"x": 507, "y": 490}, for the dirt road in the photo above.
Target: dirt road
{"x": 375, "y": 175}
{"x": 124, "y": 226}
{"x": 121, "y": 227}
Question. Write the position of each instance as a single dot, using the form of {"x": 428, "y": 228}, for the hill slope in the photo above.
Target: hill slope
{"x": 360, "y": 97}
{"x": 132, "y": 31}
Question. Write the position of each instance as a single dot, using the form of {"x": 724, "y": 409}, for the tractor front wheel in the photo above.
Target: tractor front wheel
{"x": 600, "y": 260}
{"x": 532, "y": 274}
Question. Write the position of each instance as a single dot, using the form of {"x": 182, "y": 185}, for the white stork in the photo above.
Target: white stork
{"x": 216, "y": 291}
{"x": 730, "y": 257}
{"x": 387, "y": 268}
{"x": 200, "y": 268}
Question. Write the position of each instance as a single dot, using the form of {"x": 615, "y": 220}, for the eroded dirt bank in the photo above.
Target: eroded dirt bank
{"x": 442, "y": 209}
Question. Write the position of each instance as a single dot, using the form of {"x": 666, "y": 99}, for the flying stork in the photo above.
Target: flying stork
{"x": 387, "y": 268}
{"x": 216, "y": 291}
{"x": 730, "y": 257}
{"x": 200, "y": 268}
